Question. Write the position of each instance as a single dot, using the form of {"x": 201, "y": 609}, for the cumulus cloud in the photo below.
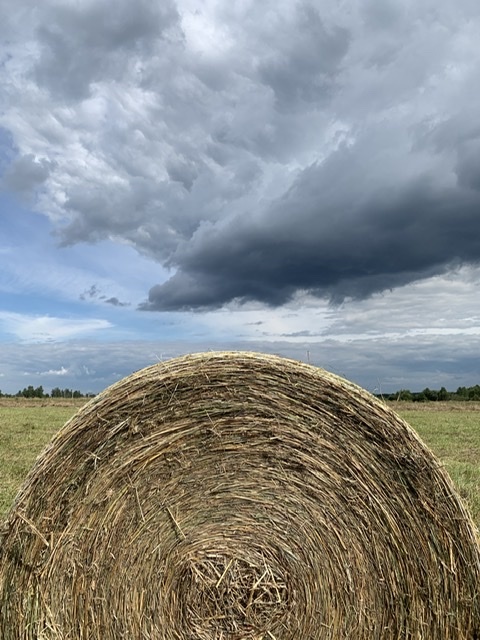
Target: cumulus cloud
{"x": 54, "y": 372}
{"x": 257, "y": 151}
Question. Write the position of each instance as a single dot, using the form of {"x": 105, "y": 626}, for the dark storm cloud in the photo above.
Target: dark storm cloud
{"x": 257, "y": 150}
{"x": 320, "y": 239}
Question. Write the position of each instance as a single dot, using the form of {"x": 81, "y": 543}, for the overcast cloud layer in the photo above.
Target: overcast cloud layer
{"x": 258, "y": 151}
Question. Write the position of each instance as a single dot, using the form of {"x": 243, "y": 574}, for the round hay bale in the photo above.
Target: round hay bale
{"x": 238, "y": 496}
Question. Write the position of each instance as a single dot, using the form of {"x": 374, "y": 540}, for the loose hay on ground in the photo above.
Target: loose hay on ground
{"x": 238, "y": 496}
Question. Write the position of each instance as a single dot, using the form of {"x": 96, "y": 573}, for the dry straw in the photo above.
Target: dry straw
{"x": 238, "y": 496}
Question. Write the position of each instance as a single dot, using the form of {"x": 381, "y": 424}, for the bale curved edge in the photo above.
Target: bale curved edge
{"x": 238, "y": 496}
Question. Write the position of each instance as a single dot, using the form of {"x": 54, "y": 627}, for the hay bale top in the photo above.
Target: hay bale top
{"x": 238, "y": 496}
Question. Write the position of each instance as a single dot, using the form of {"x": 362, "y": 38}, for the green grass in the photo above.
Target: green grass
{"x": 452, "y": 431}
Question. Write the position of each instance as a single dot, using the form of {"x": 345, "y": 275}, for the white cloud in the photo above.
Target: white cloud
{"x": 54, "y": 372}
{"x": 31, "y": 328}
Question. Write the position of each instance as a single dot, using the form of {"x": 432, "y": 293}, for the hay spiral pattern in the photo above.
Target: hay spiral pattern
{"x": 237, "y": 496}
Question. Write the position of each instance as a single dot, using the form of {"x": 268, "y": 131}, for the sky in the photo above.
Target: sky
{"x": 293, "y": 177}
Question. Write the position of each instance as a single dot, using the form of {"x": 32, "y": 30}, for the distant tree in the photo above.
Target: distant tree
{"x": 443, "y": 395}
{"x": 474, "y": 392}
{"x": 31, "y": 392}
{"x": 420, "y": 397}
{"x": 429, "y": 394}
{"x": 66, "y": 393}
{"x": 405, "y": 395}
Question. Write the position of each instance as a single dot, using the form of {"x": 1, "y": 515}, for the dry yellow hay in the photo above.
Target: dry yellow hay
{"x": 238, "y": 496}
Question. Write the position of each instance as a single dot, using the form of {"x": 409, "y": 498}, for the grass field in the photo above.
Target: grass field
{"x": 26, "y": 426}
{"x": 451, "y": 430}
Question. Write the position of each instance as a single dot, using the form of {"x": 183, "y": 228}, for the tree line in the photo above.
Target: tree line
{"x": 39, "y": 392}
{"x": 462, "y": 394}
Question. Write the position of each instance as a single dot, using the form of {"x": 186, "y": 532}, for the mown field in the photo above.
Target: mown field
{"x": 451, "y": 430}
